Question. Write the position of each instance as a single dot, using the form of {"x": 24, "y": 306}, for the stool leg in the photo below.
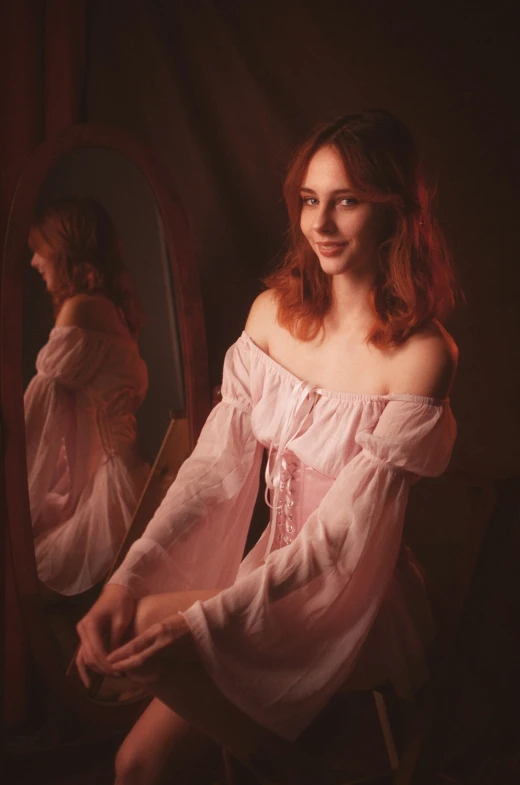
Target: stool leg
{"x": 386, "y": 729}
{"x": 234, "y": 772}
{"x": 228, "y": 767}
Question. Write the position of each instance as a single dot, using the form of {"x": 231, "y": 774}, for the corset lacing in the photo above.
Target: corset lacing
{"x": 105, "y": 432}
{"x": 115, "y": 431}
{"x": 282, "y": 465}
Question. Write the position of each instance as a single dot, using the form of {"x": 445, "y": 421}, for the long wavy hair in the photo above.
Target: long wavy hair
{"x": 80, "y": 239}
{"x": 415, "y": 281}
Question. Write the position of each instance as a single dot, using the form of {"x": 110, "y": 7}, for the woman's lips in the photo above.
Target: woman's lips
{"x": 331, "y": 249}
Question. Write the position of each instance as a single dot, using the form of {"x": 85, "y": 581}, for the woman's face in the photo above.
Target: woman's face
{"x": 43, "y": 262}
{"x": 343, "y": 231}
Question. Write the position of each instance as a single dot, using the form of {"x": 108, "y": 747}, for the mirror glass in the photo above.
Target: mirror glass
{"x": 88, "y": 456}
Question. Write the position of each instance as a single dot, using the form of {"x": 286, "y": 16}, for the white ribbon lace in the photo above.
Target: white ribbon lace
{"x": 300, "y": 405}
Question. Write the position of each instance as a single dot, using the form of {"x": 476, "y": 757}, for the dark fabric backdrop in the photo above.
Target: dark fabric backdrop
{"x": 222, "y": 91}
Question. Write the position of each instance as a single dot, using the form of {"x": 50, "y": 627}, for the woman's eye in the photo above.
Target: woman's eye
{"x": 309, "y": 201}
{"x": 348, "y": 201}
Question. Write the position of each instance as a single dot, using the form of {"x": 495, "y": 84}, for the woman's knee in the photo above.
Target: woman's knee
{"x": 148, "y": 747}
{"x": 129, "y": 769}
{"x": 134, "y": 765}
{"x": 145, "y": 615}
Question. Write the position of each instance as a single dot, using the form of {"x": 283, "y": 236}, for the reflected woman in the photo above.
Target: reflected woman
{"x": 85, "y": 471}
{"x": 343, "y": 374}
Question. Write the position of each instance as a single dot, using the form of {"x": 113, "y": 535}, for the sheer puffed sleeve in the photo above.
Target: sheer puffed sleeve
{"x": 196, "y": 538}
{"x": 67, "y": 362}
{"x": 72, "y": 356}
{"x": 281, "y": 640}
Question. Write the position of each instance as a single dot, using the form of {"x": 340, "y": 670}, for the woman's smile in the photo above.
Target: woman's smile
{"x": 328, "y": 248}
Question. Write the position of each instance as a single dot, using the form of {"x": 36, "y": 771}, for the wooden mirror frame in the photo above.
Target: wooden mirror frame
{"x": 64, "y": 700}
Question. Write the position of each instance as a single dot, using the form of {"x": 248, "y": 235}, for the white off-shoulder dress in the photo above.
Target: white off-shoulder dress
{"x": 329, "y": 581}
{"x": 85, "y": 472}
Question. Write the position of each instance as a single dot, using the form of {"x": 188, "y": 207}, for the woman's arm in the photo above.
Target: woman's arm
{"x": 195, "y": 540}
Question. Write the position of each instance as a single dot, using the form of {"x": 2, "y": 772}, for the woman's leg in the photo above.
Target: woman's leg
{"x": 161, "y": 747}
{"x": 159, "y": 738}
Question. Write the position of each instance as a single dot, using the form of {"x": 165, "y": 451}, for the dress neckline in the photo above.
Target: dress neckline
{"x": 347, "y": 396}
{"x": 111, "y": 336}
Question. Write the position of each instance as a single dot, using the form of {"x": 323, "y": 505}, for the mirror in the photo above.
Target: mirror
{"x": 80, "y": 526}
{"x": 83, "y": 429}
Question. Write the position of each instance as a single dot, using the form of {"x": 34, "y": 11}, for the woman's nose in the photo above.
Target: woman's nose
{"x": 323, "y": 221}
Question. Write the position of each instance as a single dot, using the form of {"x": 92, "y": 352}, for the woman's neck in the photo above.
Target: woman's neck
{"x": 351, "y": 303}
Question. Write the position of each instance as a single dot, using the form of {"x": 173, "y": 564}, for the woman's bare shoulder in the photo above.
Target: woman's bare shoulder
{"x": 426, "y": 363}
{"x": 262, "y": 319}
{"x": 91, "y": 312}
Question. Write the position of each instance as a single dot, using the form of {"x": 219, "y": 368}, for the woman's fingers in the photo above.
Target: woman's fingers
{"x": 102, "y": 628}
{"x": 140, "y": 659}
{"x": 149, "y": 641}
{"x": 145, "y": 657}
{"x": 141, "y": 666}
{"x": 92, "y": 641}
{"x": 104, "y": 625}
{"x": 117, "y": 629}
{"x": 82, "y": 669}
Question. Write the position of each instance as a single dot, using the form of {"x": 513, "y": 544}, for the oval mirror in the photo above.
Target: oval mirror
{"x": 153, "y": 395}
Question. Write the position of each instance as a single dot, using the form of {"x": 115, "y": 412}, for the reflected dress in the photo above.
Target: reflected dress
{"x": 329, "y": 581}
{"x": 85, "y": 472}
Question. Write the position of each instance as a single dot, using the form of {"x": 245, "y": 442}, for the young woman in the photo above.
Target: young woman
{"x": 343, "y": 375}
{"x": 84, "y": 468}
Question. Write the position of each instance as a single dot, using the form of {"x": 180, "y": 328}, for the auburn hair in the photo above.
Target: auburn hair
{"x": 415, "y": 281}
{"x": 80, "y": 239}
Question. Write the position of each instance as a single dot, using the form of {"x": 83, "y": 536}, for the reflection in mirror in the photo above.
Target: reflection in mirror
{"x": 85, "y": 472}
{"x": 86, "y": 404}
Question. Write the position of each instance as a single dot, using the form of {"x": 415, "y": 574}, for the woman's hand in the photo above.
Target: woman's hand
{"x": 148, "y": 657}
{"x": 102, "y": 629}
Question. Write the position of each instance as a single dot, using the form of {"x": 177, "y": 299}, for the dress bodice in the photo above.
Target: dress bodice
{"x": 105, "y": 372}
{"x": 85, "y": 472}
{"x": 310, "y": 434}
